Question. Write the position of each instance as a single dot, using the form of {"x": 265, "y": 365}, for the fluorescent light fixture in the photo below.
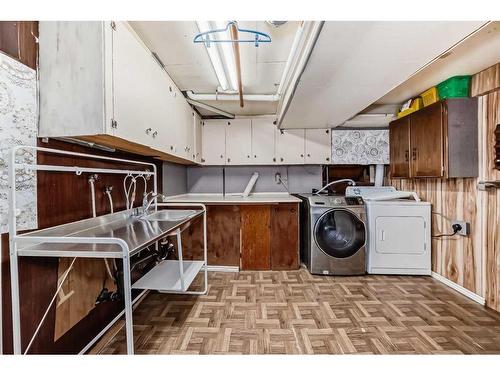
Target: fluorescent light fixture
{"x": 228, "y": 55}
{"x": 213, "y": 54}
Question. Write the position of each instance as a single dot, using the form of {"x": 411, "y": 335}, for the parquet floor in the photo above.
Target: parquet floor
{"x": 292, "y": 312}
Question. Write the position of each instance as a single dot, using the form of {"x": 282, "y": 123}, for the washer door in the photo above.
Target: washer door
{"x": 339, "y": 233}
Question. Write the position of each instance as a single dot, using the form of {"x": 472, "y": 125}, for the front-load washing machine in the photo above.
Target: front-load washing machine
{"x": 333, "y": 234}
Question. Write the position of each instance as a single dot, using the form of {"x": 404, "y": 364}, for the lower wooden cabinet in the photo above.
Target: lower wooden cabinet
{"x": 223, "y": 237}
{"x": 252, "y": 237}
{"x": 255, "y": 237}
{"x": 285, "y": 236}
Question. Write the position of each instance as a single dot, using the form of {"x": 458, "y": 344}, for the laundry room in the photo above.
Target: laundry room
{"x": 249, "y": 187}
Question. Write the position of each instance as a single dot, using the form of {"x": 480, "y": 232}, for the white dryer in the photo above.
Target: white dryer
{"x": 399, "y": 231}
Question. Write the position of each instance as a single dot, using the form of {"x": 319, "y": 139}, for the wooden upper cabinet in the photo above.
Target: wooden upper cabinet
{"x": 440, "y": 140}
{"x": 427, "y": 142}
{"x": 399, "y": 143}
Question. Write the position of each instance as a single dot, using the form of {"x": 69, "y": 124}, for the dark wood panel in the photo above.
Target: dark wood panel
{"x": 399, "y": 144}
{"x": 427, "y": 141}
{"x": 285, "y": 236}
{"x": 255, "y": 237}
{"x": 18, "y": 40}
{"x": 223, "y": 235}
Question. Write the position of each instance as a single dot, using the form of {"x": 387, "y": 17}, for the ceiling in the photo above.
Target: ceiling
{"x": 356, "y": 67}
{"x": 474, "y": 54}
{"x": 354, "y": 64}
{"x": 189, "y": 65}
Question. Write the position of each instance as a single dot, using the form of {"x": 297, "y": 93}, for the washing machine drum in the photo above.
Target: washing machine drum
{"x": 339, "y": 233}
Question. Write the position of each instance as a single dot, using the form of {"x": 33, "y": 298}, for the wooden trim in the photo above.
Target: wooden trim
{"x": 486, "y": 81}
{"x": 473, "y": 296}
{"x": 136, "y": 148}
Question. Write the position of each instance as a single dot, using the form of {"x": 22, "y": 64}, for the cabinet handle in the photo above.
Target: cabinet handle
{"x": 248, "y": 156}
{"x": 301, "y": 155}
{"x": 308, "y": 155}
{"x": 407, "y": 155}
{"x": 281, "y": 159}
{"x": 148, "y": 130}
{"x": 171, "y": 148}
{"x": 229, "y": 160}
{"x": 155, "y": 133}
{"x": 274, "y": 159}
{"x": 255, "y": 156}
{"x": 222, "y": 156}
{"x": 414, "y": 154}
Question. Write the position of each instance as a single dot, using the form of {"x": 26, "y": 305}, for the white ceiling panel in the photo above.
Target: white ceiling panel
{"x": 355, "y": 63}
{"x": 474, "y": 54}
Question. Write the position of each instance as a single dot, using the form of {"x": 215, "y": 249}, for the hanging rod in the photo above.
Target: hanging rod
{"x": 258, "y": 37}
{"x": 80, "y": 170}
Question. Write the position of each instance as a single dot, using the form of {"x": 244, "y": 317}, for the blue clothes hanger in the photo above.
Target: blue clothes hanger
{"x": 257, "y": 36}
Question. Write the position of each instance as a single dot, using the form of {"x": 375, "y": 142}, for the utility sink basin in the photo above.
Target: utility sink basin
{"x": 170, "y": 215}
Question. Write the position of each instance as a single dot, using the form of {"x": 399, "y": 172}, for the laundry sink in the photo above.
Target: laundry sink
{"x": 170, "y": 215}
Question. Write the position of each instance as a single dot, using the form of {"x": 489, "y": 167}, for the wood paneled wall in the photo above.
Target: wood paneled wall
{"x": 491, "y": 205}
{"x": 18, "y": 40}
{"x": 457, "y": 258}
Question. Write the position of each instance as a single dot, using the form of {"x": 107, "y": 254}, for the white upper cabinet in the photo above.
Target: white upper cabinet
{"x": 290, "y": 145}
{"x": 318, "y": 147}
{"x": 99, "y": 79}
{"x": 214, "y": 142}
{"x": 263, "y": 141}
{"x": 239, "y": 142}
{"x": 197, "y": 125}
{"x": 137, "y": 111}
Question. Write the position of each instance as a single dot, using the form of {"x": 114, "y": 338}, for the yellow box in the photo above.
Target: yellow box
{"x": 430, "y": 96}
{"x": 415, "y": 105}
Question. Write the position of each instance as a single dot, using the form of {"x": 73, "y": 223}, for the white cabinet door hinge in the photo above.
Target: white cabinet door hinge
{"x": 113, "y": 25}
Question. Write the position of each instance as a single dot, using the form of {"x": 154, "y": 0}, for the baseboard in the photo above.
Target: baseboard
{"x": 466, "y": 292}
{"x": 223, "y": 268}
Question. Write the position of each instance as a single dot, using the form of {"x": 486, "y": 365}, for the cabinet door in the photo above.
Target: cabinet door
{"x": 399, "y": 148}
{"x": 132, "y": 104}
{"x": 239, "y": 142}
{"x": 255, "y": 237}
{"x": 263, "y": 141}
{"x": 427, "y": 142}
{"x": 214, "y": 142}
{"x": 285, "y": 236}
{"x": 318, "y": 147}
{"x": 290, "y": 146}
{"x": 197, "y": 138}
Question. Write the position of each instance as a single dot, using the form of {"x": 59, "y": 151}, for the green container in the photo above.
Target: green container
{"x": 454, "y": 87}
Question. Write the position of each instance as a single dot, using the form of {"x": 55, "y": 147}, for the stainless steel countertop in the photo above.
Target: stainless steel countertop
{"x": 121, "y": 227}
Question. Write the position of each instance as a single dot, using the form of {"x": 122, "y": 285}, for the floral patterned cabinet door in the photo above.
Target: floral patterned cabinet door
{"x": 351, "y": 146}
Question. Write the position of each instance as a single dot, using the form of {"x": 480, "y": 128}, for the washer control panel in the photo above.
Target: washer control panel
{"x": 335, "y": 201}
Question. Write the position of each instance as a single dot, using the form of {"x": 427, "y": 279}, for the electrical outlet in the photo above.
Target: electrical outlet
{"x": 465, "y": 231}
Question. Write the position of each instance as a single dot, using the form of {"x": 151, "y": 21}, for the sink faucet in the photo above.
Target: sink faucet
{"x": 147, "y": 203}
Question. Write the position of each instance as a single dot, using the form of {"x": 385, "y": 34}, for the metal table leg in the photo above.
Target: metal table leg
{"x": 127, "y": 293}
